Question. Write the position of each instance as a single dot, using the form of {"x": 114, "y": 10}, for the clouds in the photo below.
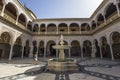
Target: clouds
{"x": 62, "y": 8}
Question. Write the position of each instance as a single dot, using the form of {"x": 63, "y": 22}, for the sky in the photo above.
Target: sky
{"x": 62, "y": 8}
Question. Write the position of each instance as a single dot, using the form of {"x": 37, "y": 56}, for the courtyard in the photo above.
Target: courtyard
{"x": 89, "y": 69}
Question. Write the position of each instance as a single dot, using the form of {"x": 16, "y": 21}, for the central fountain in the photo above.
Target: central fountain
{"x": 62, "y": 64}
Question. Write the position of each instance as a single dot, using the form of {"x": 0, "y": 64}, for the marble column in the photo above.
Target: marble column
{"x": 3, "y": 10}
{"x": 82, "y": 52}
{"x": 93, "y": 55}
{"x": 17, "y": 19}
{"x": 111, "y": 51}
{"x": 11, "y": 51}
{"x": 118, "y": 11}
{"x": 69, "y": 52}
{"x": 22, "y": 52}
{"x": 101, "y": 56}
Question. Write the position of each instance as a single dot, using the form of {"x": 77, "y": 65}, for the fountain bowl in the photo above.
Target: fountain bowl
{"x": 61, "y": 47}
{"x": 59, "y": 65}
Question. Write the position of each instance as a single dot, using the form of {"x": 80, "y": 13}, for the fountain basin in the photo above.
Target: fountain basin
{"x": 62, "y": 65}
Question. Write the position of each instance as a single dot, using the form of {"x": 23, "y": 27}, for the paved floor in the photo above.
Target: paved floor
{"x": 89, "y": 69}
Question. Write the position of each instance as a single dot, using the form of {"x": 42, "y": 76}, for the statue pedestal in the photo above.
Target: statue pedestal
{"x": 61, "y": 54}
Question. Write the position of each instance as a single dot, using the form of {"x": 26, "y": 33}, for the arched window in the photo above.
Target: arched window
{"x": 85, "y": 27}
{"x": 93, "y": 25}
{"x": 36, "y": 28}
{"x": 51, "y": 28}
{"x": 11, "y": 10}
{"x": 42, "y": 28}
{"x": 22, "y": 19}
{"x": 111, "y": 9}
{"x": 63, "y": 27}
{"x": 100, "y": 19}
{"x": 74, "y": 27}
{"x": 29, "y": 26}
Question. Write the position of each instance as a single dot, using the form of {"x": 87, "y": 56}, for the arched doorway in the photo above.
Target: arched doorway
{"x": 75, "y": 49}
{"x": 5, "y": 45}
{"x": 105, "y": 48}
{"x": 41, "y": 49}
{"x": 97, "y": 48}
{"x": 27, "y": 49}
{"x": 50, "y": 51}
{"x": 87, "y": 48}
{"x": 116, "y": 45}
{"x": 34, "y": 47}
{"x": 17, "y": 48}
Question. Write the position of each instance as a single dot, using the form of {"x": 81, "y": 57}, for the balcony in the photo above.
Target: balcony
{"x": 86, "y": 32}
{"x": 21, "y": 25}
{"x": 12, "y": 20}
{"x": 9, "y": 18}
{"x": 111, "y": 18}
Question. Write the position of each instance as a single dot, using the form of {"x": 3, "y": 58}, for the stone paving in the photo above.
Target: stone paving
{"x": 89, "y": 69}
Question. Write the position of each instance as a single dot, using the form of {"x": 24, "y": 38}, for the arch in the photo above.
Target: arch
{"x": 22, "y": 19}
{"x": 5, "y": 37}
{"x": 17, "y": 48}
{"x": 75, "y": 49}
{"x": 85, "y": 27}
{"x": 62, "y": 28}
{"x": 18, "y": 41}
{"x": 115, "y": 36}
{"x": 5, "y": 46}
{"x": 29, "y": 26}
{"x": 36, "y": 28}
{"x": 97, "y": 48}
{"x": 34, "y": 47}
{"x": 42, "y": 28}
{"x": 50, "y": 51}
{"x": 26, "y": 49}
{"x": 93, "y": 25}
{"x": 41, "y": 49}
{"x": 52, "y": 28}
{"x": 1, "y": 5}
{"x": 105, "y": 48}
{"x": 87, "y": 48}
{"x": 11, "y": 10}
{"x": 100, "y": 19}
{"x": 74, "y": 27}
{"x": 110, "y": 10}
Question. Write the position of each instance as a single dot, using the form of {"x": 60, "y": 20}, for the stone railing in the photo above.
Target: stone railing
{"x": 12, "y": 20}
{"x": 51, "y": 32}
{"x": 74, "y": 32}
{"x": 21, "y": 25}
{"x": 63, "y": 32}
{"x": 9, "y": 18}
{"x": 85, "y": 32}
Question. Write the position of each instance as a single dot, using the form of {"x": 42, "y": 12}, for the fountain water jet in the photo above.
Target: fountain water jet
{"x": 62, "y": 64}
